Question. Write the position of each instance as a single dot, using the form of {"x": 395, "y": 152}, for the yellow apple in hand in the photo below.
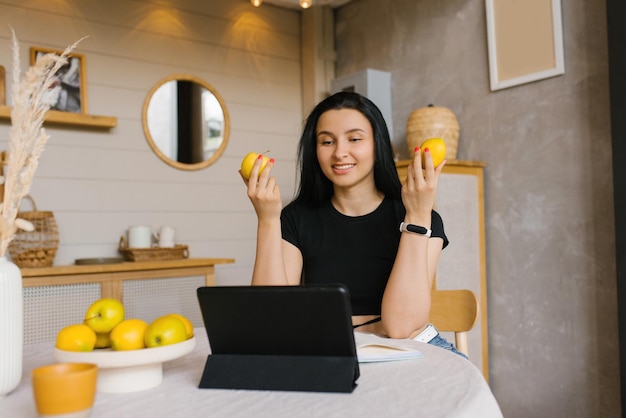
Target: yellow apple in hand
{"x": 437, "y": 149}
{"x": 104, "y": 314}
{"x": 165, "y": 330}
{"x": 248, "y": 163}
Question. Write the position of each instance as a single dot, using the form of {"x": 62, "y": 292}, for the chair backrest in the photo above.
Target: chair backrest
{"x": 455, "y": 311}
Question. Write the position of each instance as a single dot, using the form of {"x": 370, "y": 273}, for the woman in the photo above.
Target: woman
{"x": 344, "y": 226}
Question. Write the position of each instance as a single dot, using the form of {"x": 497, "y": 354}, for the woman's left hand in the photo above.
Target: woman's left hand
{"x": 420, "y": 187}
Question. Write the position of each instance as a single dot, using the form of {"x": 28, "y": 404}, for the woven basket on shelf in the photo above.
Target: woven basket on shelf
{"x": 38, "y": 247}
{"x": 152, "y": 254}
{"x": 433, "y": 122}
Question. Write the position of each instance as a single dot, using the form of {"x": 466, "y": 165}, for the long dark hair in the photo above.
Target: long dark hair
{"x": 315, "y": 187}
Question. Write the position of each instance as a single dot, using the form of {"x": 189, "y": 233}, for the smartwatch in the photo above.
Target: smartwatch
{"x": 416, "y": 229}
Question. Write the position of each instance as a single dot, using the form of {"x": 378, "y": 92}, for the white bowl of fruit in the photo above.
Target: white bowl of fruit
{"x": 129, "y": 353}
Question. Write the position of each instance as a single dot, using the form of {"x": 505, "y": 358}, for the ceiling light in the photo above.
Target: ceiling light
{"x": 305, "y": 4}
{"x": 256, "y": 3}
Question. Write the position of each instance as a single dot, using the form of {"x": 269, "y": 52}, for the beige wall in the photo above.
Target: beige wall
{"x": 549, "y": 205}
{"x": 98, "y": 182}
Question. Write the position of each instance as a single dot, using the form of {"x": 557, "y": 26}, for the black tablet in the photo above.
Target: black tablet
{"x": 279, "y": 338}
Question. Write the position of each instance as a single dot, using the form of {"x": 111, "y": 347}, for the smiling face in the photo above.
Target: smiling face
{"x": 345, "y": 148}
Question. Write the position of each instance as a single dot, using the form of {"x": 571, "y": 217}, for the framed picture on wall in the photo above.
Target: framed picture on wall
{"x": 525, "y": 41}
{"x": 3, "y": 96}
{"x": 69, "y": 91}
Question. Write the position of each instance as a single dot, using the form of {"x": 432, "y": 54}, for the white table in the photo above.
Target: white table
{"x": 440, "y": 384}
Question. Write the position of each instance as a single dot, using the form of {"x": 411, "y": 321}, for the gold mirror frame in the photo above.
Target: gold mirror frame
{"x": 148, "y": 135}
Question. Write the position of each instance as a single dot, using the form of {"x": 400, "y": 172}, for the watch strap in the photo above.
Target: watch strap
{"x": 415, "y": 229}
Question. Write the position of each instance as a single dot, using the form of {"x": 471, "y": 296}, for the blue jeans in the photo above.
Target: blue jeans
{"x": 439, "y": 341}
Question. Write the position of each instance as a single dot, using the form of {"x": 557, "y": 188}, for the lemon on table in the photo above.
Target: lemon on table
{"x": 76, "y": 337}
{"x": 437, "y": 149}
{"x": 128, "y": 335}
{"x": 186, "y": 321}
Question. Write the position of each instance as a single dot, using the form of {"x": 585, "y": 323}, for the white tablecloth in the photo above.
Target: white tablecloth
{"x": 440, "y": 384}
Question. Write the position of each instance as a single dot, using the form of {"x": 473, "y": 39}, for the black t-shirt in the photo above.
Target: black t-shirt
{"x": 356, "y": 251}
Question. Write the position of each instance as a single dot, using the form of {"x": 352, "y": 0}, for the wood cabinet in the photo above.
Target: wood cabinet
{"x": 460, "y": 202}
{"x": 111, "y": 277}
{"x": 57, "y": 296}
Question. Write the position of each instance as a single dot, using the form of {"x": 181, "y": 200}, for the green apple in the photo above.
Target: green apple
{"x": 104, "y": 314}
{"x": 248, "y": 163}
{"x": 165, "y": 330}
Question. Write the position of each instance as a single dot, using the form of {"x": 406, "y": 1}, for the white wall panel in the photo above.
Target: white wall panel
{"x": 98, "y": 182}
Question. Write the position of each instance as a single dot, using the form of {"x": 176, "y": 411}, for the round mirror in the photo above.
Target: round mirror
{"x": 185, "y": 122}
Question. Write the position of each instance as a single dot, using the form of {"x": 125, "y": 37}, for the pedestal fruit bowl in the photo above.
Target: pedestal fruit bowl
{"x": 128, "y": 371}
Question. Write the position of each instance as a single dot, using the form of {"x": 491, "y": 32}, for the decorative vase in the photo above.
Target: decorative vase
{"x": 433, "y": 122}
{"x": 11, "y": 326}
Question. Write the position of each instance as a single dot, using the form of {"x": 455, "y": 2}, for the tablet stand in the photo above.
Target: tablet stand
{"x": 280, "y": 372}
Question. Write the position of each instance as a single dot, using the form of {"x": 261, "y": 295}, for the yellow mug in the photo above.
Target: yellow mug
{"x": 65, "y": 388}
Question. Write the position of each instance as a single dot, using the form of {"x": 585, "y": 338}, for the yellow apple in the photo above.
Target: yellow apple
{"x": 248, "y": 163}
{"x": 165, "y": 330}
{"x": 186, "y": 321}
{"x": 129, "y": 335}
{"x": 104, "y": 314}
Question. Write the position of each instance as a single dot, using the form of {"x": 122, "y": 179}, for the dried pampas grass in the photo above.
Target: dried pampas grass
{"x": 26, "y": 137}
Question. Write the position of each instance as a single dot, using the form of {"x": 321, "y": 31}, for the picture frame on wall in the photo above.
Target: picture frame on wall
{"x": 69, "y": 91}
{"x": 525, "y": 41}
{"x": 3, "y": 94}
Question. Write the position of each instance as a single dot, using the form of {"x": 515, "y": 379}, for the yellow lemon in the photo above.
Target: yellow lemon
{"x": 103, "y": 340}
{"x": 248, "y": 163}
{"x": 129, "y": 335}
{"x": 437, "y": 149}
{"x": 77, "y": 337}
{"x": 186, "y": 321}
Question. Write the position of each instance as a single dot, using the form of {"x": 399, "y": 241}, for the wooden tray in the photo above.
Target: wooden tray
{"x": 152, "y": 254}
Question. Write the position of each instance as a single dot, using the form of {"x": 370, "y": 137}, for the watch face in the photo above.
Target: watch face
{"x": 417, "y": 229}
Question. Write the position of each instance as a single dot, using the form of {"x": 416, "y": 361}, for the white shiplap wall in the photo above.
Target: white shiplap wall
{"x": 98, "y": 182}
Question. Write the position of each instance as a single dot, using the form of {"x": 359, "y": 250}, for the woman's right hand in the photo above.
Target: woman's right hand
{"x": 420, "y": 187}
{"x": 263, "y": 191}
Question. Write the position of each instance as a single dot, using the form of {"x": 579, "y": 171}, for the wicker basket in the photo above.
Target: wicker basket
{"x": 433, "y": 122}
{"x": 38, "y": 247}
{"x": 153, "y": 253}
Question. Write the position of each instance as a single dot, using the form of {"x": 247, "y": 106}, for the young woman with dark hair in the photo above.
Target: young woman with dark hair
{"x": 353, "y": 222}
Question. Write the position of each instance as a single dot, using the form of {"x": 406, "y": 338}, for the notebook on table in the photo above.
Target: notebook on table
{"x": 295, "y": 338}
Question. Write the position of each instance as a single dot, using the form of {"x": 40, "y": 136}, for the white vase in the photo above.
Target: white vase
{"x": 11, "y": 326}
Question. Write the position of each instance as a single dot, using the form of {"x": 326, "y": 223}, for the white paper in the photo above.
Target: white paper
{"x": 374, "y": 348}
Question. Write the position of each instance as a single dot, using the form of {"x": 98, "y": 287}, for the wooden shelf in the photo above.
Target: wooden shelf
{"x": 69, "y": 118}
{"x": 111, "y": 277}
{"x": 124, "y": 266}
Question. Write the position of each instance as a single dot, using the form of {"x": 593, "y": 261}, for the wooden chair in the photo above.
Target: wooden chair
{"x": 455, "y": 311}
